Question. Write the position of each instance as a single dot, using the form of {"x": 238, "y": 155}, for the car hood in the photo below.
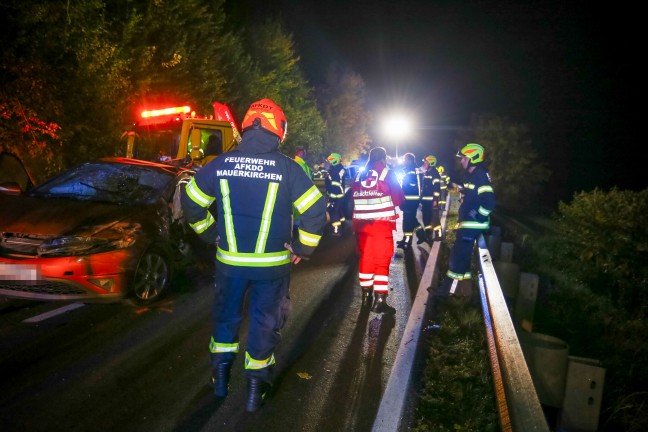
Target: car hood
{"x": 52, "y": 216}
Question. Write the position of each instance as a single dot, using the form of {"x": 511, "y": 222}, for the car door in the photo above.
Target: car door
{"x": 14, "y": 178}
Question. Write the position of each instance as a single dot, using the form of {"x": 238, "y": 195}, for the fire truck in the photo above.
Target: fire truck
{"x": 177, "y": 135}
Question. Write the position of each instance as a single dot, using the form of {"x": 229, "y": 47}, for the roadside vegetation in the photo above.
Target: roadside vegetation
{"x": 73, "y": 77}
{"x": 591, "y": 257}
{"x": 457, "y": 392}
{"x": 594, "y": 294}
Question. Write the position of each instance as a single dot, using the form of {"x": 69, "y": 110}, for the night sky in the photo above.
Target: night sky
{"x": 567, "y": 70}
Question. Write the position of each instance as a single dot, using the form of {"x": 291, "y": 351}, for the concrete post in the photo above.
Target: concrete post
{"x": 526, "y": 299}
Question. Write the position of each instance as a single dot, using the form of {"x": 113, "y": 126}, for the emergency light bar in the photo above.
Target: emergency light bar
{"x": 166, "y": 111}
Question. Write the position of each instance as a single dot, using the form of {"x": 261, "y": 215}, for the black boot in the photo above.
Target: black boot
{"x": 429, "y": 237}
{"x": 380, "y": 305}
{"x": 420, "y": 236}
{"x": 404, "y": 243}
{"x": 367, "y": 296}
{"x": 256, "y": 391}
{"x": 220, "y": 379}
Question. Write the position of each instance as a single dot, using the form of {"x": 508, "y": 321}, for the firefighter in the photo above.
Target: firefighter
{"x": 375, "y": 193}
{"x": 474, "y": 215}
{"x": 445, "y": 182}
{"x": 256, "y": 188}
{"x": 411, "y": 186}
{"x": 335, "y": 188}
{"x": 317, "y": 172}
{"x": 430, "y": 193}
{"x": 300, "y": 154}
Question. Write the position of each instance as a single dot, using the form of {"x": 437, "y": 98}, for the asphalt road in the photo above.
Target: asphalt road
{"x": 122, "y": 368}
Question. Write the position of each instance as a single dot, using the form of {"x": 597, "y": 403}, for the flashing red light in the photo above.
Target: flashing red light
{"x": 166, "y": 111}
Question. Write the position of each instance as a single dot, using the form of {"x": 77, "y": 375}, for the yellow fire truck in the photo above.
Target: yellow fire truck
{"x": 177, "y": 134}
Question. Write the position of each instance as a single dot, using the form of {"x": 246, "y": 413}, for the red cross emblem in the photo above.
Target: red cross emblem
{"x": 371, "y": 180}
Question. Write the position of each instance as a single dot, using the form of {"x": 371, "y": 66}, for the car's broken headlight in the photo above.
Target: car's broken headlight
{"x": 75, "y": 245}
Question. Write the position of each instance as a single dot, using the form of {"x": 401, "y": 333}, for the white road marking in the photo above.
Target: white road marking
{"x": 53, "y": 313}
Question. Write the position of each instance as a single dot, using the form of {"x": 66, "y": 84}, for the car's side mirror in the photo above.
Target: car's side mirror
{"x": 10, "y": 188}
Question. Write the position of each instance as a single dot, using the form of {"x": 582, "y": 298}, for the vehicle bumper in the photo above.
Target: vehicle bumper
{"x": 96, "y": 278}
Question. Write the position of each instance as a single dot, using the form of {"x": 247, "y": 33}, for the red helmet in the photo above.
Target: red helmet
{"x": 266, "y": 115}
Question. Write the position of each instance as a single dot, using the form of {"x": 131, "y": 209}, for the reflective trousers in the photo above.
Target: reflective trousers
{"x": 376, "y": 248}
{"x": 460, "y": 258}
{"x": 430, "y": 213}
{"x": 268, "y": 306}
{"x": 410, "y": 222}
{"x": 336, "y": 211}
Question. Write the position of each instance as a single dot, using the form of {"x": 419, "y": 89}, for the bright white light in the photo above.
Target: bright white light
{"x": 397, "y": 126}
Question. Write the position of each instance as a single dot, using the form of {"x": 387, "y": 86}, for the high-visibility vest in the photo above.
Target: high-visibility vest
{"x": 372, "y": 197}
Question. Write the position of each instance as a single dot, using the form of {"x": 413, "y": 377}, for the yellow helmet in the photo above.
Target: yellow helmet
{"x": 432, "y": 160}
{"x": 440, "y": 169}
{"x": 334, "y": 158}
{"x": 472, "y": 151}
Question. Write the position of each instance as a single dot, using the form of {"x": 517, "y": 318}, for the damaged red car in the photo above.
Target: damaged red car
{"x": 101, "y": 231}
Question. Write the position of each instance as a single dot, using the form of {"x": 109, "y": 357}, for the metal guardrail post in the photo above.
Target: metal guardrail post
{"x": 515, "y": 388}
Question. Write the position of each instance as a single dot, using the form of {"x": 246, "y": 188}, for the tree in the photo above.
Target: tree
{"x": 594, "y": 261}
{"x": 278, "y": 77}
{"x": 77, "y": 72}
{"x": 516, "y": 171}
{"x": 347, "y": 120}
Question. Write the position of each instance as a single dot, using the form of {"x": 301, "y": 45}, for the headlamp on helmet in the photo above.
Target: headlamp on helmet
{"x": 267, "y": 116}
{"x": 472, "y": 151}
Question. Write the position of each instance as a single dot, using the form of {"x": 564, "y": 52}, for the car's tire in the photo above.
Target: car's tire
{"x": 152, "y": 277}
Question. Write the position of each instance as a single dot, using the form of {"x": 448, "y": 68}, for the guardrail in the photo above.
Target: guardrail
{"x": 518, "y": 404}
{"x": 517, "y": 401}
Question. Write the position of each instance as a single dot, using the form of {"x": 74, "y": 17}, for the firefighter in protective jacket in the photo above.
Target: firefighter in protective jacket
{"x": 376, "y": 194}
{"x": 255, "y": 188}
{"x": 411, "y": 185}
{"x": 474, "y": 215}
{"x": 335, "y": 188}
{"x": 430, "y": 194}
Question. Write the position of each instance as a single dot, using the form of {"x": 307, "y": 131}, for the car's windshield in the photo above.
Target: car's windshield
{"x": 107, "y": 182}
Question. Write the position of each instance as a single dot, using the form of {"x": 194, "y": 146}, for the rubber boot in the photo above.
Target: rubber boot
{"x": 220, "y": 379}
{"x": 429, "y": 237}
{"x": 256, "y": 391}
{"x": 336, "y": 231}
{"x": 380, "y": 305}
{"x": 437, "y": 234}
{"x": 405, "y": 242}
{"x": 420, "y": 236}
{"x": 367, "y": 297}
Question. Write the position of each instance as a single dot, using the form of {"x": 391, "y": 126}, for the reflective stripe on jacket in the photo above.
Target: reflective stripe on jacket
{"x": 255, "y": 189}
{"x": 431, "y": 185}
{"x": 478, "y": 200}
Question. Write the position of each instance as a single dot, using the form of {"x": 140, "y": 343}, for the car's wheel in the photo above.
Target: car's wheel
{"x": 152, "y": 277}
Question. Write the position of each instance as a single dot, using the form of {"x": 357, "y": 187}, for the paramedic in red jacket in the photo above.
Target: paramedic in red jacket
{"x": 376, "y": 195}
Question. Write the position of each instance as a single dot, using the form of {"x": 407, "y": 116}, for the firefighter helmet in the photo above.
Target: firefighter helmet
{"x": 334, "y": 158}
{"x": 430, "y": 159}
{"x": 472, "y": 151}
{"x": 440, "y": 169}
{"x": 409, "y": 160}
{"x": 266, "y": 115}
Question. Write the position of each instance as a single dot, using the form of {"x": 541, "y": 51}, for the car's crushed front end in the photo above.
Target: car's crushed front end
{"x": 85, "y": 234}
